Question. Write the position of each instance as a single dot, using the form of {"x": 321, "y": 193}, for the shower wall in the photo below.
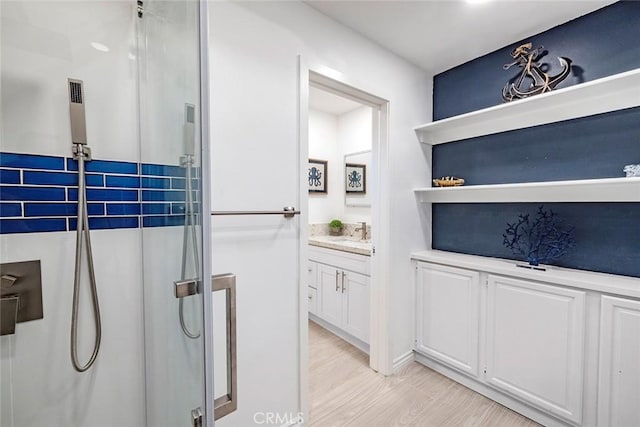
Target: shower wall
{"x": 42, "y": 44}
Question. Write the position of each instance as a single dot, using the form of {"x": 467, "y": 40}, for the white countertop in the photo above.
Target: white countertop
{"x": 342, "y": 243}
{"x": 602, "y": 282}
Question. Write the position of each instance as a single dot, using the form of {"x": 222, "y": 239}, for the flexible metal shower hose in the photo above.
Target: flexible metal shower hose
{"x": 83, "y": 229}
{"x": 189, "y": 225}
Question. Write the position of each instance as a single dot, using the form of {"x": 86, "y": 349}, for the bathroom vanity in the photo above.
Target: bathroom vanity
{"x": 339, "y": 271}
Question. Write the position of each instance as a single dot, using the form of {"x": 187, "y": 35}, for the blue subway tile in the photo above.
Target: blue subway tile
{"x": 162, "y": 196}
{"x": 156, "y": 208}
{"x": 94, "y": 180}
{"x": 178, "y": 183}
{"x": 104, "y": 195}
{"x": 60, "y": 209}
{"x": 60, "y": 178}
{"x": 123, "y": 181}
{"x": 8, "y": 176}
{"x": 162, "y": 221}
{"x": 108, "y": 166}
{"x": 50, "y": 178}
{"x": 148, "y": 182}
{"x": 108, "y": 222}
{"x": 161, "y": 170}
{"x": 177, "y": 208}
{"x": 10, "y": 209}
{"x": 31, "y": 193}
{"x": 31, "y": 161}
{"x": 31, "y": 225}
{"x": 123, "y": 208}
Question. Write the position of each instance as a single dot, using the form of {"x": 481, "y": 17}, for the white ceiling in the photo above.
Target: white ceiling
{"x": 329, "y": 103}
{"x": 438, "y": 35}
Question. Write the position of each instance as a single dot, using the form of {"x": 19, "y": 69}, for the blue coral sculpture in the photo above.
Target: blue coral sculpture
{"x": 539, "y": 240}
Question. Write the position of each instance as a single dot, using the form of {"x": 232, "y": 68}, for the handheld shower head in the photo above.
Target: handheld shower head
{"x": 189, "y": 129}
{"x": 76, "y": 111}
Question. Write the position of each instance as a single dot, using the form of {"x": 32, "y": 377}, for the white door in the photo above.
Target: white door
{"x": 330, "y": 294}
{"x": 535, "y": 344}
{"x": 619, "y": 382}
{"x": 355, "y": 291}
{"x": 448, "y": 301}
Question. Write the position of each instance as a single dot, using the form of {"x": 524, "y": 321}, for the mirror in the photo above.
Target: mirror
{"x": 354, "y": 194}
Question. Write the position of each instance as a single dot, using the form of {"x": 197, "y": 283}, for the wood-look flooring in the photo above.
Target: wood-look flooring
{"x": 344, "y": 391}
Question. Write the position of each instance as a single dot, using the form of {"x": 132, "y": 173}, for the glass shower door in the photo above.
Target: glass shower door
{"x": 169, "y": 74}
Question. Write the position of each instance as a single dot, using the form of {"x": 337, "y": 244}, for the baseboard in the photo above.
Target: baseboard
{"x": 359, "y": 344}
{"x": 511, "y": 403}
{"x": 402, "y": 360}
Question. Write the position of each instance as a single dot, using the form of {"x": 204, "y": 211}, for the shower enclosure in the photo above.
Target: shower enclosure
{"x": 146, "y": 198}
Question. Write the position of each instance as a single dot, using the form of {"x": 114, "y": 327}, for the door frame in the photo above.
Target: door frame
{"x": 379, "y": 339}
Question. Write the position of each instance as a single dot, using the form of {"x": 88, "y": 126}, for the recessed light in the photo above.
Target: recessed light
{"x": 99, "y": 46}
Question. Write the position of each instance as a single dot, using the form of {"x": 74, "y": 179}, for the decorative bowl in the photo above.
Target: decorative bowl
{"x": 448, "y": 181}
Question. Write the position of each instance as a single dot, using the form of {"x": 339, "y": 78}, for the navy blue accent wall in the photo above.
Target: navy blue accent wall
{"x": 607, "y": 234}
{"x": 601, "y": 43}
{"x": 590, "y": 147}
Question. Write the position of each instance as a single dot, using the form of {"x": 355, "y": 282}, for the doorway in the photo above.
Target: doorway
{"x": 343, "y": 159}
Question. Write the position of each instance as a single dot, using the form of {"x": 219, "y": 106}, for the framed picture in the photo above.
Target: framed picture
{"x": 355, "y": 178}
{"x": 317, "y": 175}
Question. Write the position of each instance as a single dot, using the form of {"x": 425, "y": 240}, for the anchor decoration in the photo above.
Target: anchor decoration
{"x": 532, "y": 80}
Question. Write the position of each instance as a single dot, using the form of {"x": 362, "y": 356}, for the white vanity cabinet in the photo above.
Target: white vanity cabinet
{"x": 342, "y": 289}
{"x": 559, "y": 346}
{"x": 619, "y": 364}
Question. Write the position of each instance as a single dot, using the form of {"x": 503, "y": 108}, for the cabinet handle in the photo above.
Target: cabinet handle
{"x": 310, "y": 269}
{"x": 337, "y": 274}
{"x": 343, "y": 276}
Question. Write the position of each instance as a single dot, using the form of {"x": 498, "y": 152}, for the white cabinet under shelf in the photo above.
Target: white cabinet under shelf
{"x": 535, "y": 344}
{"x": 619, "y": 370}
{"x": 560, "y": 346}
{"x": 598, "y": 96}
{"x": 448, "y": 316}
{"x": 587, "y": 190}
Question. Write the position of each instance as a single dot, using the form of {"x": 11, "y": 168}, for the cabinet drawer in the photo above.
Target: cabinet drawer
{"x": 342, "y": 260}
{"x": 313, "y": 300}
{"x": 312, "y": 278}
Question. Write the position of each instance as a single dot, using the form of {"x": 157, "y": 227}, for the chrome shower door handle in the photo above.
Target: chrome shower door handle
{"x": 228, "y": 402}
{"x": 185, "y": 288}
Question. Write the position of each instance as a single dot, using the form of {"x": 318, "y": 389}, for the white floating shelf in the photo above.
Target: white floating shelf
{"x": 598, "y": 96}
{"x": 587, "y": 190}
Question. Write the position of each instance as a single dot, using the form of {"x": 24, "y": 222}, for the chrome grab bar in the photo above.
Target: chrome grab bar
{"x": 228, "y": 403}
{"x": 287, "y": 211}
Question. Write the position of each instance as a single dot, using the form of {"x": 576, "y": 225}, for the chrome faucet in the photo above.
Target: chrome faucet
{"x": 363, "y": 228}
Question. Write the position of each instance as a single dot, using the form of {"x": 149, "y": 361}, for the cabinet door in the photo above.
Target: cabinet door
{"x": 447, "y": 328}
{"x": 329, "y": 294}
{"x": 355, "y": 288}
{"x": 535, "y": 350}
{"x": 619, "y": 382}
